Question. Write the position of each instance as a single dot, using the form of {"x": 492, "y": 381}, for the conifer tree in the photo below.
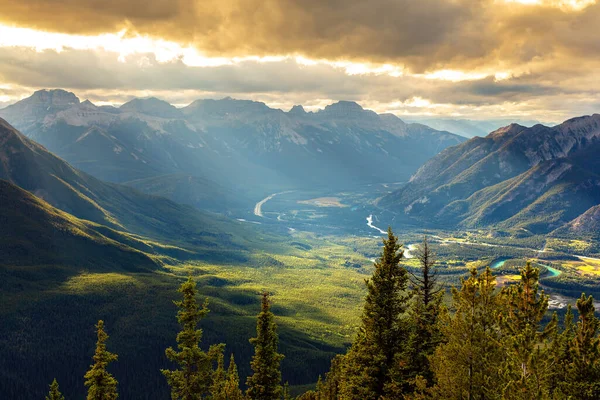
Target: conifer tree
{"x": 265, "y": 382}
{"x": 561, "y": 356}
{"x": 465, "y": 366}
{"x": 101, "y": 384}
{"x": 527, "y": 367}
{"x": 193, "y": 378}
{"x": 583, "y": 381}
{"x": 232, "y": 385}
{"x": 310, "y": 395}
{"x": 372, "y": 367}
{"x": 424, "y": 314}
{"x": 54, "y": 393}
{"x": 329, "y": 389}
{"x": 286, "y": 392}
{"x": 219, "y": 380}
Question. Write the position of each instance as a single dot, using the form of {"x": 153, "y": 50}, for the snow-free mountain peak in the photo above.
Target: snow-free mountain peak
{"x": 297, "y": 110}
{"x": 346, "y": 109}
{"x": 152, "y": 106}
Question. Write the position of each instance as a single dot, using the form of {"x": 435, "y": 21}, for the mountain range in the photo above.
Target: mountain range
{"x": 228, "y": 147}
{"x": 539, "y": 180}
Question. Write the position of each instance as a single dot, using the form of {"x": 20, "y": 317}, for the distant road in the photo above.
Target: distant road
{"x": 258, "y": 206}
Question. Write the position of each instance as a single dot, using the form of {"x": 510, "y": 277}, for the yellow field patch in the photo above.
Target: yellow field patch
{"x": 589, "y": 269}
{"x": 502, "y": 280}
{"x": 324, "y": 202}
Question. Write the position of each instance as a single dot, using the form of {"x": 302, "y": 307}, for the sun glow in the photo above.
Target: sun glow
{"x": 563, "y": 4}
{"x": 125, "y": 45}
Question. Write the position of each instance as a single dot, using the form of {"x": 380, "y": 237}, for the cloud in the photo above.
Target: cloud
{"x": 492, "y": 57}
{"x": 422, "y": 35}
{"x": 100, "y": 76}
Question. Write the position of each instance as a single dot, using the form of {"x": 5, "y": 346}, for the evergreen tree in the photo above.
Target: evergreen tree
{"x": 232, "y": 385}
{"x": 217, "y": 389}
{"x": 194, "y": 376}
{"x": 424, "y": 314}
{"x": 101, "y": 385}
{"x": 265, "y": 382}
{"x": 310, "y": 395}
{"x": 286, "y": 392}
{"x": 54, "y": 393}
{"x": 562, "y": 356}
{"x": 373, "y": 365}
{"x": 465, "y": 366}
{"x": 583, "y": 380}
{"x": 527, "y": 366}
{"x": 329, "y": 389}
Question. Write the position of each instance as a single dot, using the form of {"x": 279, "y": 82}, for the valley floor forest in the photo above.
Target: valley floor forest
{"x": 487, "y": 343}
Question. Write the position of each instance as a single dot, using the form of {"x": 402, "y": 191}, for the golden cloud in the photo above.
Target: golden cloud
{"x": 423, "y": 35}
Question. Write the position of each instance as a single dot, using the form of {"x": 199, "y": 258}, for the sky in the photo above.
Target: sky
{"x": 535, "y": 59}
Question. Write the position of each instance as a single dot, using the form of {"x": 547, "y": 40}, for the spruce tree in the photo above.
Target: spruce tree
{"x": 310, "y": 395}
{"x": 219, "y": 380}
{"x": 265, "y": 382}
{"x": 101, "y": 384}
{"x": 424, "y": 314}
{"x": 561, "y": 352}
{"x": 286, "y": 392}
{"x": 466, "y": 365}
{"x": 232, "y": 385}
{"x": 527, "y": 368}
{"x": 329, "y": 389}
{"x": 193, "y": 378}
{"x": 54, "y": 393}
{"x": 372, "y": 367}
{"x": 583, "y": 381}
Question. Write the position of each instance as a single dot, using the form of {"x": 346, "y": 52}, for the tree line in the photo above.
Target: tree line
{"x": 489, "y": 343}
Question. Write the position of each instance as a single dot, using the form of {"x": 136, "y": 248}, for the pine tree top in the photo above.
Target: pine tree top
{"x": 54, "y": 393}
{"x": 101, "y": 384}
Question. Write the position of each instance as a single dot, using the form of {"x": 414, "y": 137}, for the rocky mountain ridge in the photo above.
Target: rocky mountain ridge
{"x": 243, "y": 146}
{"x": 537, "y": 179}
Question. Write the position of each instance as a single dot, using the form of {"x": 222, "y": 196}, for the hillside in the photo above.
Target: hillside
{"x": 197, "y": 234}
{"x": 536, "y": 179}
{"x": 586, "y": 225}
{"x": 33, "y": 232}
{"x": 227, "y": 142}
{"x": 192, "y": 190}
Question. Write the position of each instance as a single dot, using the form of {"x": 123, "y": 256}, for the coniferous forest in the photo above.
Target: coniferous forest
{"x": 488, "y": 343}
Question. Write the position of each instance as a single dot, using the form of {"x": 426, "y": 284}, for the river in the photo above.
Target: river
{"x": 370, "y": 224}
{"x": 258, "y": 206}
{"x": 553, "y": 271}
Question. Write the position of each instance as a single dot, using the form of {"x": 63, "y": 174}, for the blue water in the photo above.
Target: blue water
{"x": 553, "y": 271}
